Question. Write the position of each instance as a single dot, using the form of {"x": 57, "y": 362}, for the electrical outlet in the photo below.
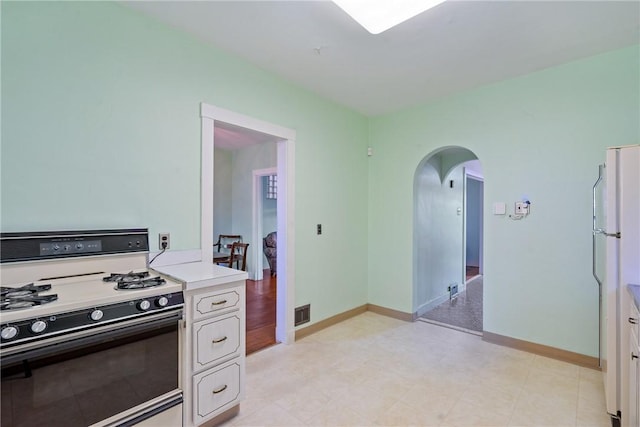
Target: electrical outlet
{"x": 453, "y": 290}
{"x": 163, "y": 241}
{"x": 522, "y": 208}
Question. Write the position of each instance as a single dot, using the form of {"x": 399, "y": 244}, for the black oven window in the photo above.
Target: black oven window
{"x": 90, "y": 384}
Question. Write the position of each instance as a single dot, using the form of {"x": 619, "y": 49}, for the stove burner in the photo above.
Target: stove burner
{"x": 140, "y": 283}
{"x": 131, "y": 280}
{"x": 29, "y": 289}
{"x": 24, "y": 297}
{"x": 126, "y": 277}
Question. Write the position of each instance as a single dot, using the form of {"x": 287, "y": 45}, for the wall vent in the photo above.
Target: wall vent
{"x": 453, "y": 291}
{"x": 303, "y": 314}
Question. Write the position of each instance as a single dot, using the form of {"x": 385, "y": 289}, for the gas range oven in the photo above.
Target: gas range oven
{"x": 88, "y": 334}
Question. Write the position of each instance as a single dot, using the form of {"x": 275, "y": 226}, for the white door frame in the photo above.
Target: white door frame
{"x": 285, "y": 331}
{"x": 258, "y": 198}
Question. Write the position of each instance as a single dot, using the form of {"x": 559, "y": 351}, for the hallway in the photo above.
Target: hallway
{"x": 464, "y": 312}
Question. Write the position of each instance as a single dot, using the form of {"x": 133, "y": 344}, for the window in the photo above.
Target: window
{"x": 272, "y": 187}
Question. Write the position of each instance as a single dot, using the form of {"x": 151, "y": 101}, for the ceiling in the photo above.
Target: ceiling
{"x": 232, "y": 137}
{"x": 456, "y": 46}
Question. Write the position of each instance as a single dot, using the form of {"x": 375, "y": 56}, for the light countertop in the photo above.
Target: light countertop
{"x": 195, "y": 275}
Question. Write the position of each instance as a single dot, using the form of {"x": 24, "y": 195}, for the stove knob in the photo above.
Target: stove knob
{"x": 144, "y": 305}
{"x": 162, "y": 302}
{"x": 96, "y": 315}
{"x": 9, "y": 332}
{"x": 38, "y": 326}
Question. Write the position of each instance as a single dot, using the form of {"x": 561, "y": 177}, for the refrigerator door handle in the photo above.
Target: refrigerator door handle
{"x": 603, "y": 232}
{"x": 594, "y": 235}
{"x": 596, "y": 231}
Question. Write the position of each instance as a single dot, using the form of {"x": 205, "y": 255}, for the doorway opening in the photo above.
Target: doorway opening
{"x": 220, "y": 126}
{"x": 448, "y": 239}
{"x": 473, "y": 218}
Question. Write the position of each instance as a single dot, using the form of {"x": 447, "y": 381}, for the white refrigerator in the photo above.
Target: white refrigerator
{"x": 616, "y": 263}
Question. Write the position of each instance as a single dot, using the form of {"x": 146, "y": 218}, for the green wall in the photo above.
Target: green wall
{"x": 101, "y": 128}
{"x": 540, "y": 136}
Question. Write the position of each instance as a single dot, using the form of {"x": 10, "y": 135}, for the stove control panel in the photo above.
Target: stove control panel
{"x": 36, "y": 246}
{"x": 62, "y": 247}
{"x": 37, "y": 328}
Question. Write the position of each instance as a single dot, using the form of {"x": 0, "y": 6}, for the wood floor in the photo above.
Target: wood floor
{"x": 261, "y": 313}
{"x": 472, "y": 271}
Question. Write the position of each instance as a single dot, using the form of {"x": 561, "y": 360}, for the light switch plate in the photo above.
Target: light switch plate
{"x": 499, "y": 208}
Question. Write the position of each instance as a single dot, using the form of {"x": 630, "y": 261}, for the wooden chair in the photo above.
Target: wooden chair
{"x": 239, "y": 256}
{"x": 225, "y": 241}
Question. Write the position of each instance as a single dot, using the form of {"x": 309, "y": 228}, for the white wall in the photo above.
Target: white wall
{"x": 245, "y": 161}
{"x": 222, "y": 191}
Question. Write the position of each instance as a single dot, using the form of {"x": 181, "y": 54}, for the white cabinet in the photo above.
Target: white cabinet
{"x": 216, "y": 389}
{"x": 632, "y": 418}
{"x": 213, "y": 357}
{"x": 216, "y": 302}
{"x": 215, "y": 340}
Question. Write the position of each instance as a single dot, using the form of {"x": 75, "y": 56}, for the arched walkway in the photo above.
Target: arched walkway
{"x": 440, "y": 214}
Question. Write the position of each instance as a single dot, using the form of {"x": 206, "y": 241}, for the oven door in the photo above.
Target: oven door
{"x": 118, "y": 374}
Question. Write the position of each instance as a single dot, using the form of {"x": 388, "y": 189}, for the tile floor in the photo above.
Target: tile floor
{"x": 373, "y": 370}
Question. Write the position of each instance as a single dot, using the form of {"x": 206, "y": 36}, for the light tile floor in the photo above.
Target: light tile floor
{"x": 373, "y": 370}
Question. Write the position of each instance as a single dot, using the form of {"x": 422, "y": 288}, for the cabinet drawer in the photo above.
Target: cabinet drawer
{"x": 215, "y": 340}
{"x": 210, "y": 303}
{"x": 216, "y": 390}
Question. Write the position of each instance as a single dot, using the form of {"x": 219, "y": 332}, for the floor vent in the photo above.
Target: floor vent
{"x": 453, "y": 291}
{"x": 303, "y": 314}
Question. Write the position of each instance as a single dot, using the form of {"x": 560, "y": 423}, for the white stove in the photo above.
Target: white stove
{"x": 89, "y": 291}
{"x": 78, "y": 315}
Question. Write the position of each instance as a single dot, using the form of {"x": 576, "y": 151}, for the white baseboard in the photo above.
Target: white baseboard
{"x": 175, "y": 257}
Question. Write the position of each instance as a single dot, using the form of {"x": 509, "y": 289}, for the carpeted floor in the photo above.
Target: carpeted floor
{"x": 464, "y": 311}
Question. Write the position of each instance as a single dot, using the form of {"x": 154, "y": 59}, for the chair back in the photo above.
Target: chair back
{"x": 239, "y": 255}
{"x": 225, "y": 241}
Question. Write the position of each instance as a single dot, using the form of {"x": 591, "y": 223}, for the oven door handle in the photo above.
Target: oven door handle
{"x": 144, "y": 411}
{"x": 87, "y": 337}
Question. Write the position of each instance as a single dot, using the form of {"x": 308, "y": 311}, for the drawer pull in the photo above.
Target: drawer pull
{"x": 633, "y": 321}
{"x": 224, "y": 301}
{"x": 219, "y": 340}
{"x": 634, "y": 356}
{"x": 220, "y": 390}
